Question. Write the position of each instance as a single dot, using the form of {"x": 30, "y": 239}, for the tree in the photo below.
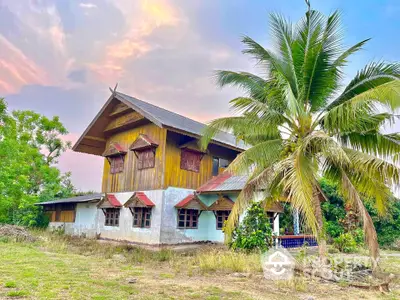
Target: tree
{"x": 300, "y": 123}
{"x": 30, "y": 145}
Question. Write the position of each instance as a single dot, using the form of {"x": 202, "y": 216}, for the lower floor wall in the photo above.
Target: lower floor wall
{"x": 90, "y": 221}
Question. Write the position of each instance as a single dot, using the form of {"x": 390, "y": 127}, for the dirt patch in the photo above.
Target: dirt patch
{"x": 16, "y": 233}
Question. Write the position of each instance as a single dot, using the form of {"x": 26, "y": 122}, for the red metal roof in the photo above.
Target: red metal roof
{"x": 113, "y": 200}
{"x": 214, "y": 182}
{"x": 185, "y": 201}
{"x": 144, "y": 199}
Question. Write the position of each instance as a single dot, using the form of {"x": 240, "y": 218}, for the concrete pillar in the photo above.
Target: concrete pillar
{"x": 296, "y": 226}
{"x": 275, "y": 228}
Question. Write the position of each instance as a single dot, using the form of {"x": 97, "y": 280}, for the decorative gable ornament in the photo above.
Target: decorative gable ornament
{"x": 191, "y": 202}
{"x": 222, "y": 203}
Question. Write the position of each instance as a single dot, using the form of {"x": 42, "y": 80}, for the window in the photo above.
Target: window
{"x": 116, "y": 164}
{"x": 146, "y": 159}
{"x": 188, "y": 218}
{"x": 215, "y": 166}
{"x": 190, "y": 160}
{"x": 112, "y": 216}
{"x": 141, "y": 217}
{"x": 222, "y": 216}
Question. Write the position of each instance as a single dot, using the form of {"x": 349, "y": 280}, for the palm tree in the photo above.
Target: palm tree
{"x": 301, "y": 124}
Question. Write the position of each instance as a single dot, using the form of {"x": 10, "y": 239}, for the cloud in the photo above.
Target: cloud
{"x": 87, "y": 5}
{"x": 60, "y": 60}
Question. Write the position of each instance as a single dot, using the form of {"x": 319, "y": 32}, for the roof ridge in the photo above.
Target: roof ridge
{"x": 167, "y": 110}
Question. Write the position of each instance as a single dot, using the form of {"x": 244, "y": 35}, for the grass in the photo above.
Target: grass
{"x": 62, "y": 267}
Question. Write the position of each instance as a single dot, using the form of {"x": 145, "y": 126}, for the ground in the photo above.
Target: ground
{"x": 59, "y": 267}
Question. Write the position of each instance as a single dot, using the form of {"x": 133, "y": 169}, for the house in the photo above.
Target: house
{"x": 159, "y": 187}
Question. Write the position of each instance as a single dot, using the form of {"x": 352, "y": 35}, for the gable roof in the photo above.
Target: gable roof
{"x": 224, "y": 182}
{"x": 141, "y": 197}
{"x": 163, "y": 118}
{"x": 191, "y": 201}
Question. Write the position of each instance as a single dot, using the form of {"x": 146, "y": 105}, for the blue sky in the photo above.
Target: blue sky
{"x": 59, "y": 57}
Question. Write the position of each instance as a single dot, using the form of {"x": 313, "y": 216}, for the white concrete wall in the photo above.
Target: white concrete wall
{"x": 85, "y": 221}
{"x": 125, "y": 231}
{"x": 170, "y": 234}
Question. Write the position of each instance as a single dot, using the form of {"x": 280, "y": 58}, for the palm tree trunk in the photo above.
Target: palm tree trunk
{"x": 322, "y": 248}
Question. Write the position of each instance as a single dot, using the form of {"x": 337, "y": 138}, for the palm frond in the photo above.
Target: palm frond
{"x": 262, "y": 155}
{"x": 370, "y": 78}
{"x": 351, "y": 194}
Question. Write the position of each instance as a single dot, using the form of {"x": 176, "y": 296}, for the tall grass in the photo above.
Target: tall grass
{"x": 205, "y": 260}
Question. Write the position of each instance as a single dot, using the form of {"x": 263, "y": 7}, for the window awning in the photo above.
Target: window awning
{"x": 143, "y": 142}
{"x": 139, "y": 199}
{"x": 275, "y": 207}
{"x": 114, "y": 149}
{"x": 222, "y": 203}
{"x": 191, "y": 202}
{"x": 109, "y": 201}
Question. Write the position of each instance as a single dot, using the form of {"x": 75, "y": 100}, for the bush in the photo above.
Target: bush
{"x": 345, "y": 243}
{"x": 254, "y": 232}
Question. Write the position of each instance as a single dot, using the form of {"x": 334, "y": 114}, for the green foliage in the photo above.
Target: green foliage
{"x": 30, "y": 145}
{"x": 345, "y": 243}
{"x": 254, "y": 233}
{"x": 302, "y": 123}
{"x": 388, "y": 226}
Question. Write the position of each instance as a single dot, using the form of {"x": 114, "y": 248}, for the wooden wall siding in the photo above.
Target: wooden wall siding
{"x": 176, "y": 177}
{"x": 66, "y": 216}
{"x": 132, "y": 179}
{"x": 123, "y": 121}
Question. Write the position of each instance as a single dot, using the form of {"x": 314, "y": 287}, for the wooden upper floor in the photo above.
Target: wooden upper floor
{"x": 146, "y": 147}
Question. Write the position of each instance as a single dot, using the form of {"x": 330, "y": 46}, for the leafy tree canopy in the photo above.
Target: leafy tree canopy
{"x": 30, "y": 145}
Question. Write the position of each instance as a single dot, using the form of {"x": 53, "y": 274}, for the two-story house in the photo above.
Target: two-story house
{"x": 158, "y": 186}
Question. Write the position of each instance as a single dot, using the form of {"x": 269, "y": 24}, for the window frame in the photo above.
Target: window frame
{"x": 141, "y": 215}
{"x": 190, "y": 216}
{"x": 111, "y": 216}
{"x": 224, "y": 215}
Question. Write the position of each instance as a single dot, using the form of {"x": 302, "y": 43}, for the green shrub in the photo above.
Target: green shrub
{"x": 345, "y": 243}
{"x": 254, "y": 232}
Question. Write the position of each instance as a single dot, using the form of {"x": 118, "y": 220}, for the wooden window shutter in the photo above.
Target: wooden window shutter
{"x": 190, "y": 160}
{"x": 146, "y": 159}
{"x": 116, "y": 164}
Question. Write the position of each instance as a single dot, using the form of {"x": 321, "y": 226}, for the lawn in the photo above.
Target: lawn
{"x": 58, "y": 267}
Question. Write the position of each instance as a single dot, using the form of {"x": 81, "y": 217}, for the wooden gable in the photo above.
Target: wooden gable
{"x": 191, "y": 202}
{"x": 222, "y": 203}
{"x": 139, "y": 199}
{"x": 114, "y": 149}
{"x": 109, "y": 201}
{"x": 143, "y": 142}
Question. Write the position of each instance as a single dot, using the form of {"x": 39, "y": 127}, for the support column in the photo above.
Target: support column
{"x": 275, "y": 228}
{"x": 296, "y": 226}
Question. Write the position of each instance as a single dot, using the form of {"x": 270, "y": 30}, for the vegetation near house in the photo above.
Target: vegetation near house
{"x": 30, "y": 145}
{"x": 303, "y": 123}
{"x": 254, "y": 232}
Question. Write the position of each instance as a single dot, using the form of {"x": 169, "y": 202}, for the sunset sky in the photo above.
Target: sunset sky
{"x": 59, "y": 57}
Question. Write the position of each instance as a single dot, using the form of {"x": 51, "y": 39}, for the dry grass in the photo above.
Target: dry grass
{"x": 62, "y": 267}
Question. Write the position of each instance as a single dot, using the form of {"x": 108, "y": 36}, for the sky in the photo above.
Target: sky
{"x": 59, "y": 57}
